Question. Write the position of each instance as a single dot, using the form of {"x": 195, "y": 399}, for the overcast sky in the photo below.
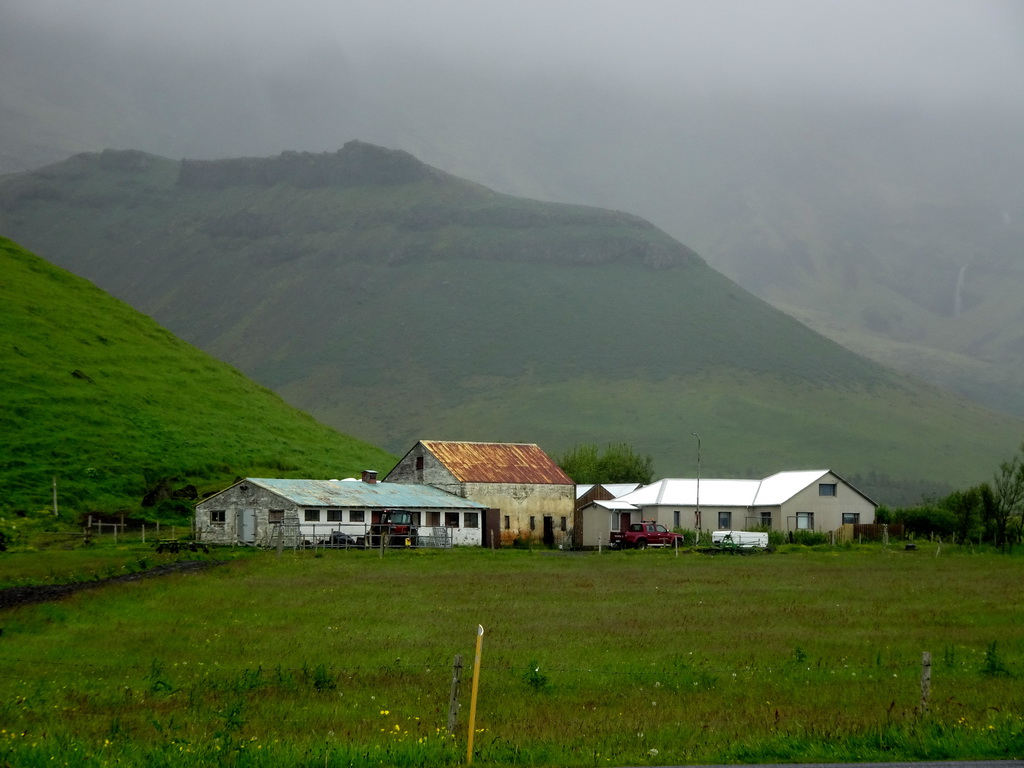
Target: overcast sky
{"x": 940, "y": 50}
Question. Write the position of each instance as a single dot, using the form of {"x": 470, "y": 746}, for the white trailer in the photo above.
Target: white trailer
{"x": 742, "y": 539}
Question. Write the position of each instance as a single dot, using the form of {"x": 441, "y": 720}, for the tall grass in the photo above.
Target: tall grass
{"x": 623, "y": 658}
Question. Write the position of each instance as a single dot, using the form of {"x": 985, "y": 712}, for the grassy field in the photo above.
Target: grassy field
{"x": 635, "y": 658}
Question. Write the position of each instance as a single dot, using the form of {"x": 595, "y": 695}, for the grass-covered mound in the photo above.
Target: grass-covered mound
{"x": 119, "y": 411}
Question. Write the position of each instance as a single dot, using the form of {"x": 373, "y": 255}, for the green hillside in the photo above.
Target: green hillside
{"x": 397, "y": 302}
{"x": 115, "y": 407}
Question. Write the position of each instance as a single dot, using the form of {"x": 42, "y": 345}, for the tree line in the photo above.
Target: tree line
{"x": 991, "y": 512}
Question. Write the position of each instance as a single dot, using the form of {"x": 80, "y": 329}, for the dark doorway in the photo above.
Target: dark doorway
{"x": 490, "y": 529}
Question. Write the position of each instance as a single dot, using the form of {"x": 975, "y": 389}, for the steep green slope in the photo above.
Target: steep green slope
{"x": 397, "y": 302}
{"x": 113, "y": 406}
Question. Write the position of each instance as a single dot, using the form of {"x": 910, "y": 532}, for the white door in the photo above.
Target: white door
{"x": 247, "y": 526}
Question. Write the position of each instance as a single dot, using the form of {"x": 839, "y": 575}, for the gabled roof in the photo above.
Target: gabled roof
{"x": 769, "y": 492}
{"x": 523, "y": 463}
{"x": 783, "y": 486}
{"x": 355, "y": 493}
{"x": 615, "y": 489}
{"x": 683, "y": 492}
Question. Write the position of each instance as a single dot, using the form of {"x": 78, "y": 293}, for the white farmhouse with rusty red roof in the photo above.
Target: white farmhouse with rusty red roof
{"x": 533, "y": 496}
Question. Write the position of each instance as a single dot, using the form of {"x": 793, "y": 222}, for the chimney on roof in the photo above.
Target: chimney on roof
{"x": 369, "y": 475}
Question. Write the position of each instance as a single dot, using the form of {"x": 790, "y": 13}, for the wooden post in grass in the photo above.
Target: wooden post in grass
{"x": 926, "y": 680}
{"x": 472, "y": 698}
{"x": 453, "y": 699}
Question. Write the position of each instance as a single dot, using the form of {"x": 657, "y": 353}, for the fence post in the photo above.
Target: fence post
{"x": 453, "y": 698}
{"x": 472, "y": 698}
{"x": 926, "y": 680}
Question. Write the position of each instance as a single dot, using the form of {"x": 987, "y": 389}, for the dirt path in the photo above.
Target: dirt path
{"x": 15, "y": 596}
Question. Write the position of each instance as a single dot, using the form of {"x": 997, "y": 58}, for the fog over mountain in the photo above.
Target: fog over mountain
{"x": 857, "y": 164}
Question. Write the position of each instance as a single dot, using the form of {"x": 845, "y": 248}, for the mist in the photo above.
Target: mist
{"x": 940, "y": 51}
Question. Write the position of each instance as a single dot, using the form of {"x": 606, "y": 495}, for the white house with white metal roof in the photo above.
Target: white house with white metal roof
{"x": 812, "y": 500}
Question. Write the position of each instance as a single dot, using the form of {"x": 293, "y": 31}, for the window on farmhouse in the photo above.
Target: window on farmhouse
{"x": 805, "y": 521}
{"x": 218, "y": 515}
{"x": 433, "y": 519}
{"x": 724, "y": 521}
{"x": 826, "y": 489}
{"x": 356, "y": 516}
{"x": 472, "y": 520}
{"x": 508, "y": 522}
{"x": 334, "y": 516}
{"x": 275, "y": 516}
{"x": 451, "y": 519}
{"x": 766, "y": 519}
{"x": 564, "y": 523}
{"x": 851, "y": 518}
{"x": 533, "y": 523}
{"x": 677, "y": 519}
{"x": 312, "y": 515}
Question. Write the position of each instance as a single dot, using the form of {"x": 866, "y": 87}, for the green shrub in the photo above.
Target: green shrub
{"x": 810, "y": 538}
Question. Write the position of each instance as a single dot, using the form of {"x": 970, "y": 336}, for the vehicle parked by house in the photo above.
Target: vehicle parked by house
{"x": 646, "y": 533}
{"x": 740, "y": 539}
{"x": 396, "y": 527}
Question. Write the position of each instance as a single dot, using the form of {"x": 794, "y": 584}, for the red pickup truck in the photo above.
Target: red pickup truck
{"x": 645, "y": 534}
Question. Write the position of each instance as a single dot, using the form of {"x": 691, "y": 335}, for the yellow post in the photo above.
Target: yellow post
{"x": 472, "y": 700}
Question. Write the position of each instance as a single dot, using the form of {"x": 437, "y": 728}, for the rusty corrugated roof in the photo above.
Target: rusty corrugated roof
{"x": 522, "y": 463}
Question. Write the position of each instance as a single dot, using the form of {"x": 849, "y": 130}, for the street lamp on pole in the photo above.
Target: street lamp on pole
{"x": 697, "y": 515}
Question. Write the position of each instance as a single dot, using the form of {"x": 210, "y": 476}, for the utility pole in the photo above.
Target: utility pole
{"x": 698, "y": 487}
